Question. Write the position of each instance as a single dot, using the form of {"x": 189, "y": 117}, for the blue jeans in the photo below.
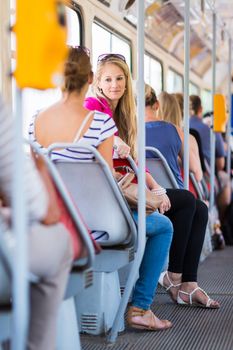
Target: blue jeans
{"x": 159, "y": 232}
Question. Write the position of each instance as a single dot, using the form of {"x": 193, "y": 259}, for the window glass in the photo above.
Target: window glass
{"x": 35, "y": 100}
{"x": 147, "y": 69}
{"x": 153, "y": 73}
{"x": 73, "y": 27}
{"x": 193, "y": 89}
{"x": 101, "y": 43}
{"x": 104, "y": 41}
{"x": 174, "y": 82}
{"x": 122, "y": 47}
{"x": 156, "y": 75}
{"x": 206, "y": 99}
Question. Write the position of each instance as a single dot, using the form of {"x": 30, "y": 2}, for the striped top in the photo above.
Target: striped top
{"x": 101, "y": 128}
{"x": 36, "y": 197}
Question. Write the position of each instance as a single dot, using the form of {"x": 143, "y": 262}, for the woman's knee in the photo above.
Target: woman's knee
{"x": 157, "y": 223}
{"x": 182, "y": 199}
{"x": 201, "y": 211}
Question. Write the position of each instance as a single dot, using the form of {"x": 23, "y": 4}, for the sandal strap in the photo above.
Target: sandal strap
{"x": 171, "y": 285}
{"x": 190, "y": 295}
{"x": 134, "y": 311}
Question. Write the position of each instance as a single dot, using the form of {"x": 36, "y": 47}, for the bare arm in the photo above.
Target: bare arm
{"x": 106, "y": 149}
{"x": 153, "y": 185}
{"x": 194, "y": 159}
{"x": 220, "y": 163}
{"x": 123, "y": 149}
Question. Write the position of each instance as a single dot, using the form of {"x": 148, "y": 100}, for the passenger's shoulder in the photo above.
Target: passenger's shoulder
{"x": 101, "y": 115}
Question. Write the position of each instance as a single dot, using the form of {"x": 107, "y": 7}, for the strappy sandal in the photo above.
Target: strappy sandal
{"x": 209, "y": 304}
{"x": 145, "y": 319}
{"x": 171, "y": 285}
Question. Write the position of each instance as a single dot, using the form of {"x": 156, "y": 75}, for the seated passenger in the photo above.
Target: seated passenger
{"x": 196, "y": 122}
{"x": 63, "y": 121}
{"x": 50, "y": 246}
{"x": 59, "y": 123}
{"x": 113, "y": 90}
{"x": 180, "y": 99}
{"x": 169, "y": 115}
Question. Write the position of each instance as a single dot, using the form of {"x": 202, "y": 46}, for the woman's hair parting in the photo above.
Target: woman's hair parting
{"x": 77, "y": 70}
{"x": 150, "y": 96}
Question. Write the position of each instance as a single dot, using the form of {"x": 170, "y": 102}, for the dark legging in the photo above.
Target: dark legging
{"x": 189, "y": 217}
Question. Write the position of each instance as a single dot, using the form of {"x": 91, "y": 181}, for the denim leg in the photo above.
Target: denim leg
{"x": 159, "y": 232}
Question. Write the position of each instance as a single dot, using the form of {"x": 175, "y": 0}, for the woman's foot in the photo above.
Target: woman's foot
{"x": 145, "y": 319}
{"x": 192, "y": 295}
{"x": 171, "y": 282}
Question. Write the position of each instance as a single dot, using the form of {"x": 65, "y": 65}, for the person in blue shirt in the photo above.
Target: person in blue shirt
{"x": 196, "y": 122}
{"x": 188, "y": 215}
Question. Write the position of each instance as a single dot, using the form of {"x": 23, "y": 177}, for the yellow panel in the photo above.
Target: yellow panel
{"x": 220, "y": 115}
{"x": 40, "y": 43}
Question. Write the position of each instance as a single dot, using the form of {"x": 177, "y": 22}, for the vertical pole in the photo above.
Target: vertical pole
{"x": 229, "y": 110}
{"x": 141, "y": 173}
{"x": 141, "y": 117}
{"x": 20, "y": 272}
{"x": 212, "y": 134}
{"x": 186, "y": 92}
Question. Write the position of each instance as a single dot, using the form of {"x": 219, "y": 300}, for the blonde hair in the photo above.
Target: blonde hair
{"x": 125, "y": 113}
{"x": 150, "y": 96}
{"x": 169, "y": 109}
{"x": 180, "y": 99}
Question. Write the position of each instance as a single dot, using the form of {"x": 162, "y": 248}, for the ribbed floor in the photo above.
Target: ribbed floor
{"x": 194, "y": 328}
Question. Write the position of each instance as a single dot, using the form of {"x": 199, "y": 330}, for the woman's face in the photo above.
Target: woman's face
{"x": 112, "y": 82}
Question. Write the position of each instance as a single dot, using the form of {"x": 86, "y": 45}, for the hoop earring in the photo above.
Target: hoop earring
{"x": 100, "y": 90}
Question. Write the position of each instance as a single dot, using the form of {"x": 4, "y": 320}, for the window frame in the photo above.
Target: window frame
{"x": 196, "y": 87}
{"x": 179, "y": 74}
{"x": 161, "y": 65}
{"x": 78, "y": 11}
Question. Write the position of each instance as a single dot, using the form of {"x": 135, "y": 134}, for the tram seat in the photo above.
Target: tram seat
{"x": 81, "y": 274}
{"x": 159, "y": 168}
{"x": 207, "y": 246}
{"x": 162, "y": 173}
{"x": 197, "y": 186}
{"x": 6, "y": 253}
{"x": 96, "y": 193}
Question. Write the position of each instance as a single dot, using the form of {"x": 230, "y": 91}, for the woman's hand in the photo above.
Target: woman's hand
{"x": 123, "y": 150}
{"x": 165, "y": 205}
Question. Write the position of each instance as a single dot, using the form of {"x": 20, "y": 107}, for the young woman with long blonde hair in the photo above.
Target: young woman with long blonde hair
{"x": 114, "y": 95}
{"x": 113, "y": 88}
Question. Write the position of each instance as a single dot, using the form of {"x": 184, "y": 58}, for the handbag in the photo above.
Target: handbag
{"x": 130, "y": 191}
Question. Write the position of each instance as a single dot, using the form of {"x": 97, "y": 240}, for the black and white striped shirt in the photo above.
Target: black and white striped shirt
{"x": 101, "y": 128}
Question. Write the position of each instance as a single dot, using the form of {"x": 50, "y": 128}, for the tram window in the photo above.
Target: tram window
{"x": 35, "y": 100}
{"x": 174, "y": 82}
{"x": 105, "y": 41}
{"x": 153, "y": 73}
{"x": 206, "y": 100}
{"x": 73, "y": 27}
{"x": 193, "y": 89}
